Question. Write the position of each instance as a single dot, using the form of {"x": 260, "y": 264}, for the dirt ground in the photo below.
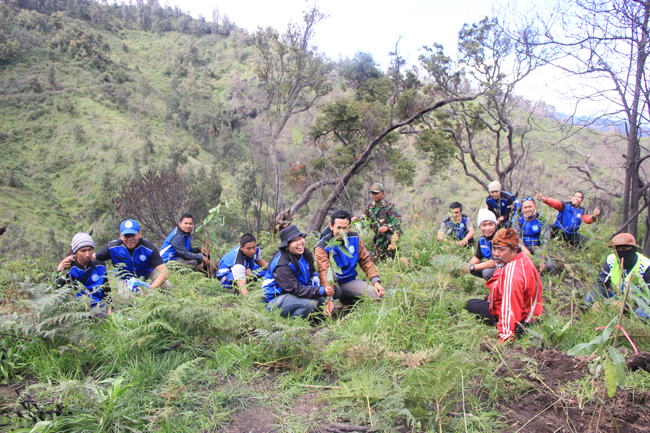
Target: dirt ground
{"x": 545, "y": 408}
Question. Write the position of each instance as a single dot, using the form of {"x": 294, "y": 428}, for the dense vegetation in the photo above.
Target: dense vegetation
{"x": 201, "y": 359}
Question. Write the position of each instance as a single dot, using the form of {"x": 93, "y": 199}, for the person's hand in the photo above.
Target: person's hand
{"x": 248, "y": 272}
{"x": 243, "y": 291}
{"x": 382, "y": 230}
{"x": 542, "y": 267}
{"x": 65, "y": 263}
{"x": 465, "y": 269}
{"x": 206, "y": 260}
{"x": 329, "y": 307}
{"x": 354, "y": 218}
{"x": 540, "y": 197}
{"x": 204, "y": 251}
{"x": 461, "y": 242}
{"x": 500, "y": 219}
{"x": 379, "y": 290}
{"x": 329, "y": 291}
{"x": 596, "y": 212}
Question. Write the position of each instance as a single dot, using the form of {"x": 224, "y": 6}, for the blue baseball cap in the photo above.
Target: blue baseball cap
{"x": 129, "y": 227}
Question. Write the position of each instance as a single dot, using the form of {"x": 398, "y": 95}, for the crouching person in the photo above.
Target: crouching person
{"x": 624, "y": 266}
{"x": 347, "y": 288}
{"x": 241, "y": 263}
{"x": 178, "y": 246}
{"x": 515, "y": 298}
{"x": 482, "y": 265}
{"x": 291, "y": 284}
{"x": 88, "y": 274}
{"x": 134, "y": 258}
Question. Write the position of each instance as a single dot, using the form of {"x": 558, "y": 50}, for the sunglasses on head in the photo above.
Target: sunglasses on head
{"x": 528, "y": 199}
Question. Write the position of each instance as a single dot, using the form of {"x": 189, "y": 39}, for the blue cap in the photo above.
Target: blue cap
{"x": 129, "y": 227}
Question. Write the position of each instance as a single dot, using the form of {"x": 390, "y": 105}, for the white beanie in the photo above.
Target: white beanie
{"x": 81, "y": 240}
{"x": 494, "y": 186}
{"x": 486, "y": 215}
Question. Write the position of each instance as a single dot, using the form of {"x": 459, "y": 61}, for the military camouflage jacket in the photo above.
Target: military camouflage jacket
{"x": 384, "y": 214}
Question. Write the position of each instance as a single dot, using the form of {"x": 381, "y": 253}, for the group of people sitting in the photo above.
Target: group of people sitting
{"x": 296, "y": 282}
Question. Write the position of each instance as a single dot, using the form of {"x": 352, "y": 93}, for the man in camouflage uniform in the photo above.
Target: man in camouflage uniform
{"x": 385, "y": 221}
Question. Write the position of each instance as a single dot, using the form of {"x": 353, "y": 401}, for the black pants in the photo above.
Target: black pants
{"x": 481, "y": 308}
{"x": 577, "y": 240}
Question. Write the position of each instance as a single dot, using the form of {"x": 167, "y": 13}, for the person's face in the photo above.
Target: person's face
{"x": 186, "y": 225}
{"x": 502, "y": 255}
{"x": 377, "y": 197}
{"x": 456, "y": 214}
{"x": 249, "y": 249}
{"x": 576, "y": 199}
{"x": 622, "y": 248}
{"x": 495, "y": 194}
{"x": 529, "y": 208}
{"x": 297, "y": 246}
{"x": 340, "y": 226}
{"x": 84, "y": 255}
{"x": 488, "y": 228}
{"x": 131, "y": 240}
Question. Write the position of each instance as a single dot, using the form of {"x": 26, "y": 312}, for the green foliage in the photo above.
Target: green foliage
{"x": 438, "y": 147}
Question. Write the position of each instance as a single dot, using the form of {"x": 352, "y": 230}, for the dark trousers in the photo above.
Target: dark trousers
{"x": 576, "y": 239}
{"x": 481, "y": 308}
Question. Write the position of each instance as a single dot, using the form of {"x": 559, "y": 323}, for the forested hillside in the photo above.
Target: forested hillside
{"x": 94, "y": 96}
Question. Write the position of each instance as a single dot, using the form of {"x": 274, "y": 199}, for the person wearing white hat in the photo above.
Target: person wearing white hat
{"x": 482, "y": 265}
{"x": 502, "y": 204}
{"x": 89, "y": 274}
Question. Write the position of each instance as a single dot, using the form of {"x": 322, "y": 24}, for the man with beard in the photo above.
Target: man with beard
{"x": 515, "y": 298}
{"x": 570, "y": 215}
{"x": 178, "y": 246}
{"x": 626, "y": 266}
{"x": 134, "y": 258}
{"x": 534, "y": 233}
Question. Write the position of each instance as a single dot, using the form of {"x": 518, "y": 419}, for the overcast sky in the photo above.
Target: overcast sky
{"x": 375, "y": 27}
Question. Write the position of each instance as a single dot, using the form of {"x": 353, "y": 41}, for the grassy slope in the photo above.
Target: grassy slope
{"x": 200, "y": 359}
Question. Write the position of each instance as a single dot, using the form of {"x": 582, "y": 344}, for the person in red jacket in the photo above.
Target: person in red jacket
{"x": 515, "y": 298}
{"x": 570, "y": 215}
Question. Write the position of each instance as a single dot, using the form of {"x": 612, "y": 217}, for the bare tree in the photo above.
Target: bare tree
{"x": 605, "y": 44}
{"x": 490, "y": 143}
{"x": 294, "y": 75}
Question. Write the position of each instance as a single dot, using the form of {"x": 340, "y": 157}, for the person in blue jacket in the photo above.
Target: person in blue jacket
{"x": 570, "y": 215}
{"x": 457, "y": 226}
{"x": 291, "y": 284}
{"x": 535, "y": 233}
{"x": 502, "y": 204}
{"x": 88, "y": 274}
{"x": 347, "y": 287}
{"x": 178, "y": 246}
{"x": 134, "y": 259}
{"x": 242, "y": 262}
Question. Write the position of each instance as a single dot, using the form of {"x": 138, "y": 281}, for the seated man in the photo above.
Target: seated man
{"x": 515, "y": 290}
{"x": 487, "y": 223}
{"x": 242, "y": 262}
{"x": 610, "y": 282}
{"x": 178, "y": 246}
{"x": 534, "y": 232}
{"x": 570, "y": 215}
{"x": 134, "y": 258}
{"x": 502, "y": 204}
{"x": 291, "y": 284}
{"x": 89, "y": 274}
{"x": 348, "y": 287}
{"x": 457, "y": 226}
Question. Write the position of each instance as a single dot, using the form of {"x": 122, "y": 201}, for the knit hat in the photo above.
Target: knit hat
{"x": 506, "y": 238}
{"x": 494, "y": 186}
{"x": 486, "y": 215}
{"x": 82, "y": 240}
